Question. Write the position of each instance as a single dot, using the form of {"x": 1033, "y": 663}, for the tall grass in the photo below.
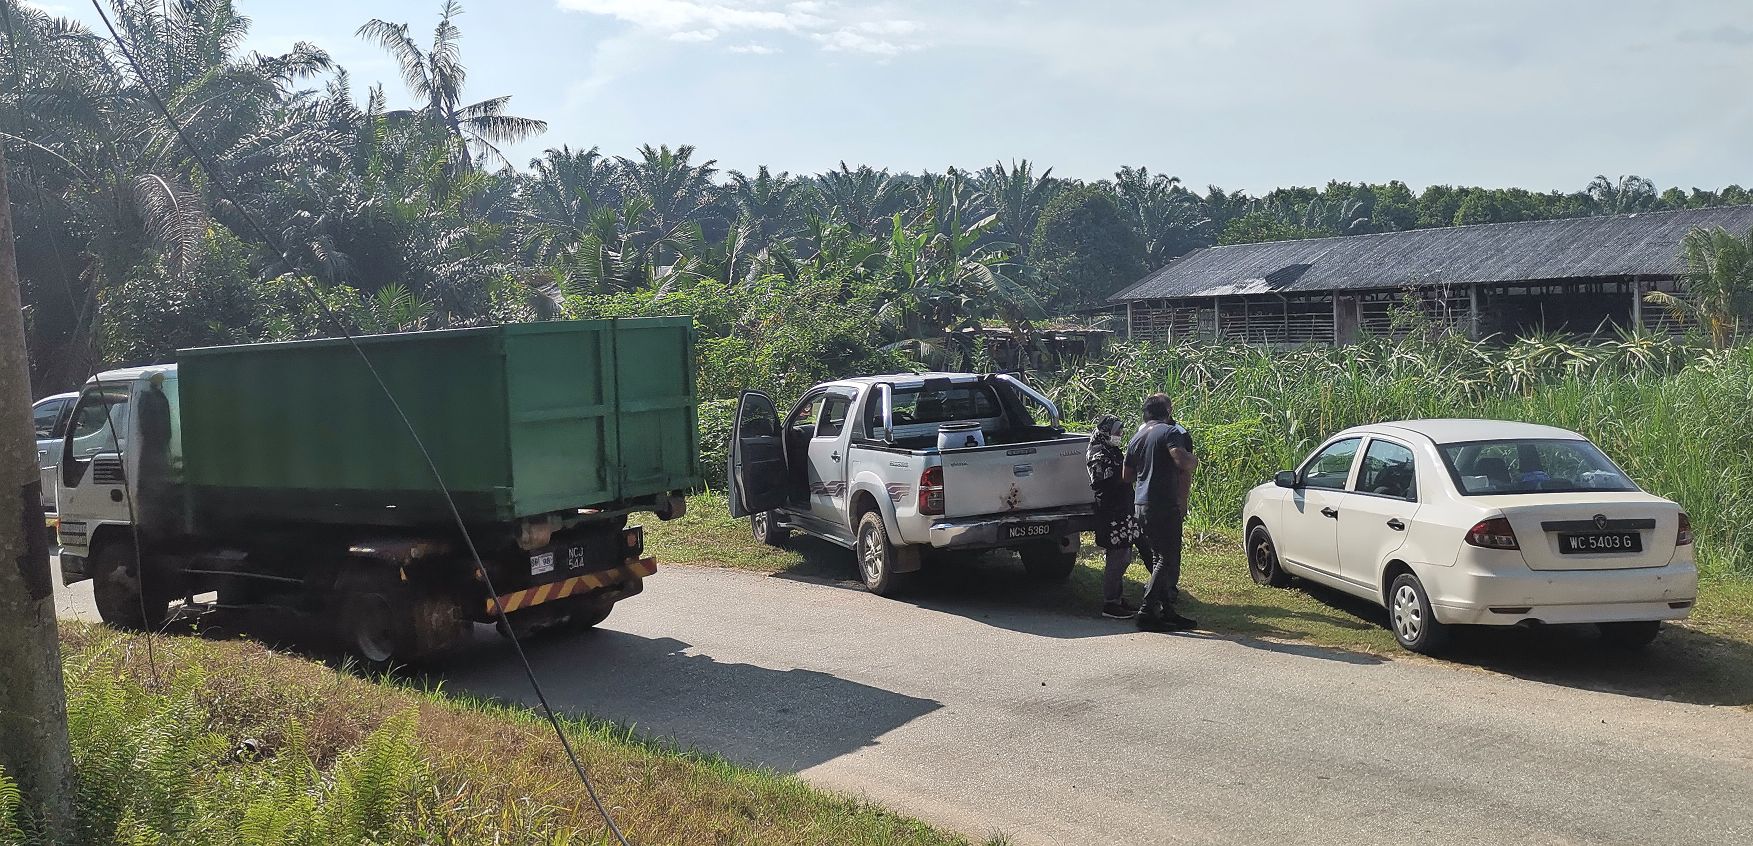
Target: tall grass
{"x": 1678, "y": 418}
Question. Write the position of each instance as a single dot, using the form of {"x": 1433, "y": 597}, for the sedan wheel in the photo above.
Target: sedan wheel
{"x": 1410, "y": 617}
{"x": 1263, "y": 559}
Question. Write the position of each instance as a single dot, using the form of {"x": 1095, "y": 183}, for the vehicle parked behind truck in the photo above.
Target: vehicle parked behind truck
{"x": 281, "y": 475}
{"x": 896, "y": 467}
{"x": 50, "y": 415}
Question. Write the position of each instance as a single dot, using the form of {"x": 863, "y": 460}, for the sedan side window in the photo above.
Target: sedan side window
{"x": 1387, "y": 471}
{"x": 1330, "y": 469}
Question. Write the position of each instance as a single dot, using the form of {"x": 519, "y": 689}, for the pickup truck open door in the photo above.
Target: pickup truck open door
{"x": 757, "y": 472}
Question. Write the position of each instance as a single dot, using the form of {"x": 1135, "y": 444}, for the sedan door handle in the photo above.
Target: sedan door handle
{"x": 1396, "y": 524}
{"x": 1330, "y": 511}
{"x": 835, "y": 455}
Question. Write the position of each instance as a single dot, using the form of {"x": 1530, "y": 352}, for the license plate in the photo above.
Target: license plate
{"x": 1583, "y": 544}
{"x": 1020, "y": 531}
{"x": 541, "y": 562}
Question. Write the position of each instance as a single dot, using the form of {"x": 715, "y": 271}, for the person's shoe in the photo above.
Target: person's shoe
{"x": 1178, "y": 623}
{"x": 1119, "y": 610}
{"x": 1152, "y": 623}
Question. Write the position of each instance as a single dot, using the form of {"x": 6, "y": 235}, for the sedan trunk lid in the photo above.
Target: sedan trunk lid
{"x": 1600, "y": 530}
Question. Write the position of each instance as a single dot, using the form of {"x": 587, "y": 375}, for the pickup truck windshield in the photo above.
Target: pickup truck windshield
{"x": 918, "y": 406}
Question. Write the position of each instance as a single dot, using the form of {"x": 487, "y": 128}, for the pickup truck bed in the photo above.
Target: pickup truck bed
{"x": 858, "y": 463}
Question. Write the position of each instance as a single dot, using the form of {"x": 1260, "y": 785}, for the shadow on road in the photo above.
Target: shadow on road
{"x": 1683, "y": 665}
{"x": 788, "y": 720}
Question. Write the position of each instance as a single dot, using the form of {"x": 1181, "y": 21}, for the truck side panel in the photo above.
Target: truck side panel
{"x": 659, "y": 441}
{"x": 301, "y": 430}
{"x": 563, "y": 425}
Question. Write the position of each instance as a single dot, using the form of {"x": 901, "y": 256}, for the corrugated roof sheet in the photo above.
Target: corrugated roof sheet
{"x": 1645, "y": 244}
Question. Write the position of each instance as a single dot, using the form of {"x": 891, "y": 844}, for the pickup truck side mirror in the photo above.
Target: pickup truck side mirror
{"x": 1285, "y": 479}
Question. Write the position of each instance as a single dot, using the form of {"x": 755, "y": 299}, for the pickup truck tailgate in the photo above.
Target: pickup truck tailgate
{"x": 1015, "y": 477}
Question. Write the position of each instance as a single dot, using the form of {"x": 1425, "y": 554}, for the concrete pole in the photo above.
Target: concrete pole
{"x": 33, "y": 699}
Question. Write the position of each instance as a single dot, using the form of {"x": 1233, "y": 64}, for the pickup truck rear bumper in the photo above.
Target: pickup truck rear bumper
{"x": 990, "y": 530}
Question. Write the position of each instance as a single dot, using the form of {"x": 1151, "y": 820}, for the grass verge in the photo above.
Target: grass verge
{"x": 237, "y": 744}
{"x": 1708, "y": 659}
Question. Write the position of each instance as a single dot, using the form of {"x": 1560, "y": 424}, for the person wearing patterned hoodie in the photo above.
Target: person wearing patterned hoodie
{"x": 1117, "y": 526}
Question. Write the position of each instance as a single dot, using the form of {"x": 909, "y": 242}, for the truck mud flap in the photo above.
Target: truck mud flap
{"x": 520, "y": 600}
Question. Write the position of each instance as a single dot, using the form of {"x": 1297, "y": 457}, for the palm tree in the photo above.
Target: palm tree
{"x": 1718, "y": 284}
{"x": 862, "y": 197}
{"x": 770, "y": 204}
{"x": 1628, "y": 194}
{"x": 1018, "y": 197}
{"x": 435, "y": 75}
{"x": 1169, "y": 219}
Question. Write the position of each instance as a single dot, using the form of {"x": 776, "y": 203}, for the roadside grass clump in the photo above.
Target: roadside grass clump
{"x": 232, "y": 744}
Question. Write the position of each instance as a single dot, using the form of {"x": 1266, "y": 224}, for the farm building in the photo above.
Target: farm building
{"x": 1576, "y": 276}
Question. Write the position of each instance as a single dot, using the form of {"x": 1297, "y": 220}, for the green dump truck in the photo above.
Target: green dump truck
{"x": 281, "y": 475}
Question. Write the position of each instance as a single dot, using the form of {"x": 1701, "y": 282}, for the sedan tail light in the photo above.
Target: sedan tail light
{"x": 931, "y": 490}
{"x": 1685, "y": 538}
{"x": 1495, "y": 533}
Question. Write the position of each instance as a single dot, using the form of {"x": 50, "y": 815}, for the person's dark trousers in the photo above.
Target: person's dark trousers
{"x": 1162, "y": 530}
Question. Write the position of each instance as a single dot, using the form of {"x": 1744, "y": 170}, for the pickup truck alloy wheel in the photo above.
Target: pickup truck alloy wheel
{"x": 876, "y": 556}
{"x": 1410, "y": 617}
{"x": 765, "y": 526}
{"x": 1263, "y": 559}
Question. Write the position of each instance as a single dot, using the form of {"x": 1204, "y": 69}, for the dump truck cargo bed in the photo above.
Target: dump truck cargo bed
{"x": 520, "y": 420}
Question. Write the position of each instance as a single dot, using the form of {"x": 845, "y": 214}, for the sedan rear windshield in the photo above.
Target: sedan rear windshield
{"x": 1532, "y": 466}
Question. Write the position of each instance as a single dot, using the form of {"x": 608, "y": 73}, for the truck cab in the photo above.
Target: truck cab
{"x": 893, "y": 467}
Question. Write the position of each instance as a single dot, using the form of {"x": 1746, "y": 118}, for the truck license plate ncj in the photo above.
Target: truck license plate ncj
{"x": 1582, "y": 544}
{"x": 1022, "y": 531}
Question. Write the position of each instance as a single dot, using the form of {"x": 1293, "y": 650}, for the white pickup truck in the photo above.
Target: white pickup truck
{"x": 858, "y": 463}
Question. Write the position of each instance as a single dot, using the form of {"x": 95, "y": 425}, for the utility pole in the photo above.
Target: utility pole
{"x": 33, "y": 698}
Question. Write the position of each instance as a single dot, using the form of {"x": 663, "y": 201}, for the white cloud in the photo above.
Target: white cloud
{"x": 833, "y": 26}
{"x": 695, "y": 35}
{"x": 755, "y": 49}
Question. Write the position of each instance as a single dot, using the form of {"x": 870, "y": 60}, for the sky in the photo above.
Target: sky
{"x": 1249, "y": 94}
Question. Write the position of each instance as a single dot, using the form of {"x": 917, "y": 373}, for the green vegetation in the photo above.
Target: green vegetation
{"x": 128, "y": 249}
{"x": 234, "y": 744}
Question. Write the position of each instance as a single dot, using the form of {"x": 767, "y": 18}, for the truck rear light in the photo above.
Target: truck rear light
{"x": 1685, "y": 536}
{"x": 634, "y": 538}
{"x": 931, "y": 490}
{"x": 1495, "y": 533}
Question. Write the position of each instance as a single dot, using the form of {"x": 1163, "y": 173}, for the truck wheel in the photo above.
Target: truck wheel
{"x": 1048, "y": 562}
{"x": 374, "y": 623}
{"x": 588, "y": 614}
{"x": 115, "y": 584}
{"x": 877, "y": 557}
{"x": 767, "y": 530}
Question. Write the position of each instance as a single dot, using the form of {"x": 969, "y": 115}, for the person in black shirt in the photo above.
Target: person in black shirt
{"x": 1160, "y": 464}
{"x": 1117, "y": 528}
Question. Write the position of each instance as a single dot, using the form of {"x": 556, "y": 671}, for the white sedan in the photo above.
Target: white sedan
{"x": 1476, "y": 522}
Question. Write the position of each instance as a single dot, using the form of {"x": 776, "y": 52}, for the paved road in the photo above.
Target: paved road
{"x": 1056, "y": 729}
